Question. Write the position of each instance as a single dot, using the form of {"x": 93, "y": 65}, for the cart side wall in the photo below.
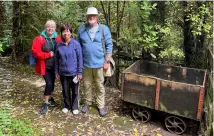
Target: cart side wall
{"x": 179, "y": 99}
{"x": 139, "y": 90}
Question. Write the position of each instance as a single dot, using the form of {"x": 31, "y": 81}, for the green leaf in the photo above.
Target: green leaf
{"x": 154, "y": 5}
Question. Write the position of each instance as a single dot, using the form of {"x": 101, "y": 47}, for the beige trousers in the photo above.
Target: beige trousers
{"x": 96, "y": 75}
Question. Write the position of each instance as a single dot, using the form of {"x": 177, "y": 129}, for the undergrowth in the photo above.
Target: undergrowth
{"x": 13, "y": 127}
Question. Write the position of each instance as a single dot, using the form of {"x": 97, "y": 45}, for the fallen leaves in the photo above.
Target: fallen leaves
{"x": 159, "y": 134}
{"x": 136, "y": 132}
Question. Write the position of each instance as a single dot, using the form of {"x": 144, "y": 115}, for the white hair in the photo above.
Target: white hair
{"x": 50, "y": 22}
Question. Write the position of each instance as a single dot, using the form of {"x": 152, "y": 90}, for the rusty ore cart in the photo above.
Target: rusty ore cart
{"x": 176, "y": 90}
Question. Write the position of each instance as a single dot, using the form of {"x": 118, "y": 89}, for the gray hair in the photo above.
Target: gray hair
{"x": 50, "y": 22}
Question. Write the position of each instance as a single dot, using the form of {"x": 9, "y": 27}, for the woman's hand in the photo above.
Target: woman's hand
{"x": 57, "y": 76}
{"x": 52, "y": 53}
{"x": 79, "y": 77}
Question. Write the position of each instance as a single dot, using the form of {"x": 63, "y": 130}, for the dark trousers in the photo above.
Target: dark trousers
{"x": 67, "y": 84}
{"x": 49, "y": 80}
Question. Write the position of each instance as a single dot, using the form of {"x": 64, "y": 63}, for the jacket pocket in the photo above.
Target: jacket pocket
{"x": 99, "y": 53}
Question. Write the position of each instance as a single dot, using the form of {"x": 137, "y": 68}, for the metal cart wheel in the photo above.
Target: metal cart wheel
{"x": 141, "y": 114}
{"x": 175, "y": 125}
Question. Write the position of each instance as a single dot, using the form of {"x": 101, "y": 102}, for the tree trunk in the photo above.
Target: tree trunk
{"x": 193, "y": 45}
{"x": 2, "y": 19}
{"x": 119, "y": 21}
{"x": 16, "y": 28}
{"x": 160, "y": 18}
{"x": 129, "y": 18}
{"x": 23, "y": 28}
{"x": 118, "y": 52}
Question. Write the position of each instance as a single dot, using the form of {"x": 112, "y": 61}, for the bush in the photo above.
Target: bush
{"x": 5, "y": 48}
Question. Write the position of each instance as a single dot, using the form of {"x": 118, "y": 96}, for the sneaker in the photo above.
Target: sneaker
{"x": 64, "y": 110}
{"x": 52, "y": 103}
{"x": 85, "y": 108}
{"x": 44, "y": 108}
{"x": 102, "y": 112}
{"x": 75, "y": 112}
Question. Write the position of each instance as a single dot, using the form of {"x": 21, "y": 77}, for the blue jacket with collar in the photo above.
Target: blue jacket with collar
{"x": 93, "y": 54}
{"x": 68, "y": 59}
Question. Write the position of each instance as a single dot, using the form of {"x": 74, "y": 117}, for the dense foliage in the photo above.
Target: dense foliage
{"x": 174, "y": 32}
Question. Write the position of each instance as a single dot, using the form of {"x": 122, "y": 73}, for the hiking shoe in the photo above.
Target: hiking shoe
{"x": 65, "y": 110}
{"x": 52, "y": 103}
{"x": 85, "y": 108}
{"x": 75, "y": 112}
{"x": 102, "y": 112}
{"x": 44, "y": 108}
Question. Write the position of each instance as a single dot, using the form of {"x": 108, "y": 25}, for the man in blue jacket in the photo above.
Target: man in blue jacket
{"x": 95, "y": 62}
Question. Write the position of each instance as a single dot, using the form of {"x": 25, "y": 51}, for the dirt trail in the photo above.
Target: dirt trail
{"x": 22, "y": 93}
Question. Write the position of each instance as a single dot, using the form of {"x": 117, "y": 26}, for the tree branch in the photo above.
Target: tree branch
{"x": 109, "y": 13}
{"x": 105, "y": 15}
{"x": 121, "y": 17}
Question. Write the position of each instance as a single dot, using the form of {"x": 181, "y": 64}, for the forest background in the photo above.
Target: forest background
{"x": 170, "y": 32}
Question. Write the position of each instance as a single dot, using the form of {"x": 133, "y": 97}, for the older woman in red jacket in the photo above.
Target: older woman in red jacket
{"x": 43, "y": 49}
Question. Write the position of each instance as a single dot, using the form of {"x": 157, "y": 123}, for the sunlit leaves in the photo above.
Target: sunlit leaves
{"x": 201, "y": 20}
{"x": 172, "y": 54}
{"x": 1, "y": 49}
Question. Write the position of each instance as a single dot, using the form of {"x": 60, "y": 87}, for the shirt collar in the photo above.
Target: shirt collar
{"x": 63, "y": 43}
{"x": 87, "y": 27}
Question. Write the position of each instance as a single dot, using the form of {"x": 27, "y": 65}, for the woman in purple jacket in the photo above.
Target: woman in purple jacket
{"x": 68, "y": 67}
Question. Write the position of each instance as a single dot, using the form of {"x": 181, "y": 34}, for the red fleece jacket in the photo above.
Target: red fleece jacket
{"x": 41, "y": 56}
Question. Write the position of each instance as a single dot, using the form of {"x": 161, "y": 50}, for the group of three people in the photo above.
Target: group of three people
{"x": 63, "y": 57}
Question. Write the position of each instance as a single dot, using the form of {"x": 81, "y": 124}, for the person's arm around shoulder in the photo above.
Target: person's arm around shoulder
{"x": 37, "y": 49}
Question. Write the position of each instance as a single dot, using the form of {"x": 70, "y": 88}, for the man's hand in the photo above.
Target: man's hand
{"x": 107, "y": 62}
{"x": 106, "y": 66}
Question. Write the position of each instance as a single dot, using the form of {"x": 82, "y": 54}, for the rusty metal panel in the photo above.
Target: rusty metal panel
{"x": 139, "y": 90}
{"x": 179, "y": 99}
